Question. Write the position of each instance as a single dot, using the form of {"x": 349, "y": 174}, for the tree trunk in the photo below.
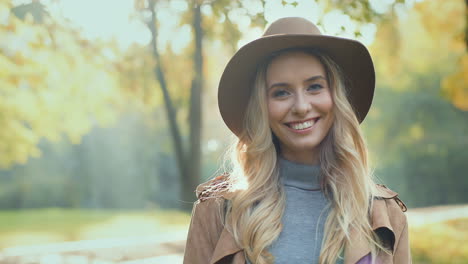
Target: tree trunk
{"x": 195, "y": 119}
{"x": 171, "y": 114}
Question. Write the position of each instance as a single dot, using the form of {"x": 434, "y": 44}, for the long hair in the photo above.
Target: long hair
{"x": 254, "y": 214}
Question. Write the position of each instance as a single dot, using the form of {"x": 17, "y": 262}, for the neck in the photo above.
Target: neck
{"x": 302, "y": 176}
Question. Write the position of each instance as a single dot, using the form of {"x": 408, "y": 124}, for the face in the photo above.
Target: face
{"x": 299, "y": 105}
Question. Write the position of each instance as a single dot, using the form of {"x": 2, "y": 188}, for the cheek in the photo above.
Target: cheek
{"x": 326, "y": 109}
{"x": 326, "y": 103}
{"x": 275, "y": 111}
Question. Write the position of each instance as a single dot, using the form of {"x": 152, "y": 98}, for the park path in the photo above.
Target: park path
{"x": 162, "y": 249}
{"x": 165, "y": 249}
{"x": 428, "y": 215}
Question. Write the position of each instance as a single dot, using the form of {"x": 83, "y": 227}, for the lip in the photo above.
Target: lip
{"x": 304, "y": 131}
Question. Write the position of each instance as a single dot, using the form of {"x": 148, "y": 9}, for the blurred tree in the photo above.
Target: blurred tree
{"x": 188, "y": 159}
{"x": 365, "y": 11}
{"x": 419, "y": 139}
{"x": 188, "y": 173}
{"x": 455, "y": 85}
{"x": 35, "y": 8}
{"x": 447, "y": 22}
{"x": 52, "y": 82}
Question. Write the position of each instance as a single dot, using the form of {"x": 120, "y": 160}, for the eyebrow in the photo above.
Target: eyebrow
{"x": 313, "y": 78}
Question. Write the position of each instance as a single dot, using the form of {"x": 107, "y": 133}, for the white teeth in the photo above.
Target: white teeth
{"x": 304, "y": 125}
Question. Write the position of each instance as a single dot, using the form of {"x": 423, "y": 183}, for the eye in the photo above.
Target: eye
{"x": 314, "y": 87}
{"x": 280, "y": 93}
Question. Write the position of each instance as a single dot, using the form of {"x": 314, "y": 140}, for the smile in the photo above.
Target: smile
{"x": 302, "y": 125}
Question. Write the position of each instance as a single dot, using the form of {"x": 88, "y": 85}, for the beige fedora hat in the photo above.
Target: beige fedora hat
{"x": 294, "y": 32}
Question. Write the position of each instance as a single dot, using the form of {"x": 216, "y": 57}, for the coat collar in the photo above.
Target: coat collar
{"x": 353, "y": 253}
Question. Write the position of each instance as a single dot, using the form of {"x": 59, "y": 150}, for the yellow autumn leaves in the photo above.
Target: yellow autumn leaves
{"x": 455, "y": 86}
{"x": 52, "y": 84}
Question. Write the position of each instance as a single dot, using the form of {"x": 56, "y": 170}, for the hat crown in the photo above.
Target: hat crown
{"x": 292, "y": 25}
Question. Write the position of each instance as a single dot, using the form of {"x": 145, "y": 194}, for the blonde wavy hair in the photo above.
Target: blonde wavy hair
{"x": 254, "y": 214}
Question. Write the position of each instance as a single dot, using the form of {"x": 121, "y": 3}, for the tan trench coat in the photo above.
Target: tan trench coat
{"x": 209, "y": 242}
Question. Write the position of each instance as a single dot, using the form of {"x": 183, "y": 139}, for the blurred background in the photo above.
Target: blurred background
{"x": 109, "y": 118}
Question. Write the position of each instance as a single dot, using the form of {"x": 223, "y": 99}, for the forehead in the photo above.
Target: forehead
{"x": 294, "y": 65}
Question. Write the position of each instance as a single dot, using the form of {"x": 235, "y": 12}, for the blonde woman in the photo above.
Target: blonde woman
{"x": 299, "y": 189}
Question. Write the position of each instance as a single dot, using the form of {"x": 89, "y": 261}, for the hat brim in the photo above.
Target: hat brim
{"x": 236, "y": 81}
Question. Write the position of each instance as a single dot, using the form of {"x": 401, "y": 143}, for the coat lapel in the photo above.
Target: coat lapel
{"x": 357, "y": 249}
{"x": 380, "y": 222}
{"x": 226, "y": 246}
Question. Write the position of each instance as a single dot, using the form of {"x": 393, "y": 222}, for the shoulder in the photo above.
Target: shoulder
{"x": 214, "y": 189}
{"x": 388, "y": 207}
{"x": 388, "y": 216}
{"x": 210, "y": 206}
{"x": 207, "y": 222}
{"x": 391, "y": 197}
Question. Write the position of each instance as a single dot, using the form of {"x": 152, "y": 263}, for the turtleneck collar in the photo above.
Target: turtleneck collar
{"x": 302, "y": 176}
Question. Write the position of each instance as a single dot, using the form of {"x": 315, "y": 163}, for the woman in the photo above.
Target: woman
{"x": 299, "y": 190}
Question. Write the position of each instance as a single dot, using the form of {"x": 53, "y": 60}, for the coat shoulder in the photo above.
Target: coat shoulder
{"x": 383, "y": 192}
{"x": 388, "y": 218}
{"x": 217, "y": 187}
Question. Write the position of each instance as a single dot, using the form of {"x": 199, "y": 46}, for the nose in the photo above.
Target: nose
{"x": 301, "y": 105}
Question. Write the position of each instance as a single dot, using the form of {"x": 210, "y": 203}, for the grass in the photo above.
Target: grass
{"x": 39, "y": 226}
{"x": 440, "y": 243}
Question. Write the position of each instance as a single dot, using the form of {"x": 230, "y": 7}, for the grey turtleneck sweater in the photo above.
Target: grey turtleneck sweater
{"x": 304, "y": 216}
